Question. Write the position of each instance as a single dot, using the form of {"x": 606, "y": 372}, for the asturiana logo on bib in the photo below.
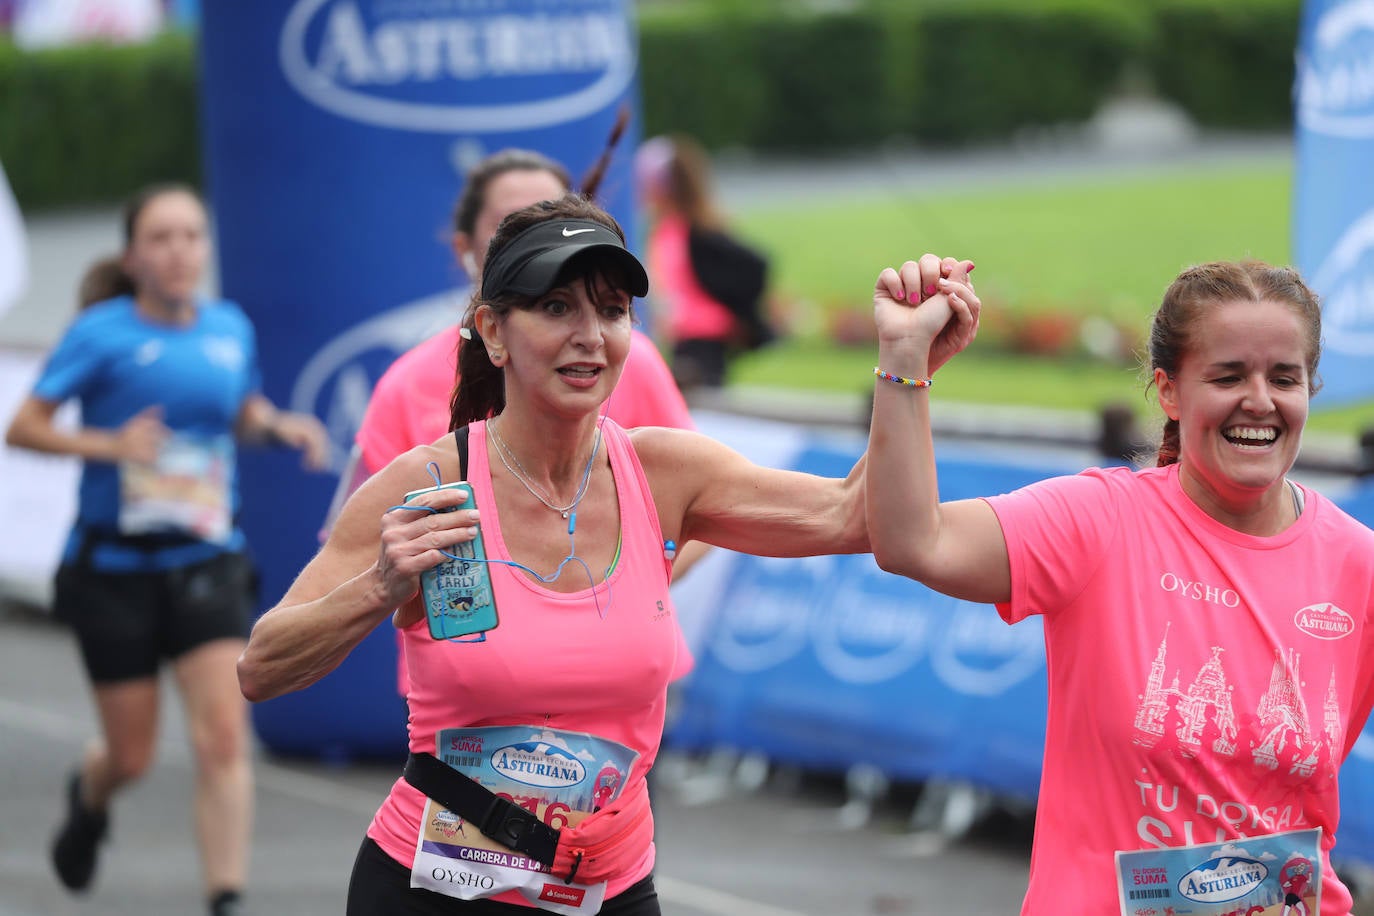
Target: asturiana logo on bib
{"x": 1335, "y": 91}
{"x": 1223, "y": 878}
{"x": 536, "y": 763}
{"x": 455, "y": 66}
{"x": 1346, "y": 280}
{"x": 1324, "y": 621}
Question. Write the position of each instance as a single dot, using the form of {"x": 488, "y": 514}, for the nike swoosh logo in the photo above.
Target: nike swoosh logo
{"x": 569, "y": 233}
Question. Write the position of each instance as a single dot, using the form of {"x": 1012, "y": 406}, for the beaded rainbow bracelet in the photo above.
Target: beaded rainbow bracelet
{"x": 903, "y": 380}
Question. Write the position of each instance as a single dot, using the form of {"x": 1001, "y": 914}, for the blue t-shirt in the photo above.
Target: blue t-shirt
{"x": 115, "y": 363}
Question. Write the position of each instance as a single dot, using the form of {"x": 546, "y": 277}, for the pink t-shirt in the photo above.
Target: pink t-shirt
{"x": 1203, "y": 684}
{"x": 555, "y": 660}
{"x": 410, "y": 403}
{"x": 692, "y": 313}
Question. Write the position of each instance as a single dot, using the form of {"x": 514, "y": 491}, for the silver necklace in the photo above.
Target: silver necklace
{"x": 526, "y": 479}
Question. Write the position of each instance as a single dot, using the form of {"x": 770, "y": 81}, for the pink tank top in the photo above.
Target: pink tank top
{"x": 554, "y": 660}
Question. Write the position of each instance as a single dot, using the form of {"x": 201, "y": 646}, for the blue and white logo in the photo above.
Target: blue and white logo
{"x": 459, "y": 66}
{"x": 1335, "y": 87}
{"x": 336, "y": 381}
{"x": 538, "y": 763}
{"x": 1346, "y": 283}
{"x": 1222, "y": 879}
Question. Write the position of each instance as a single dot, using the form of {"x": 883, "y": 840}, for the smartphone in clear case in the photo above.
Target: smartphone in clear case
{"x": 457, "y": 593}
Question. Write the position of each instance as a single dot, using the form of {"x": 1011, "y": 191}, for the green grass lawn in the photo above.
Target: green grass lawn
{"x": 1097, "y": 247}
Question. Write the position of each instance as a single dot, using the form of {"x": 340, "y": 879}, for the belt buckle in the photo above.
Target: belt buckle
{"x": 508, "y": 824}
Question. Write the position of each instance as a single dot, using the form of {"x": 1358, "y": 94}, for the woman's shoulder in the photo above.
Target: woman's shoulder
{"x": 224, "y": 310}
{"x": 1337, "y": 516}
{"x": 419, "y": 468}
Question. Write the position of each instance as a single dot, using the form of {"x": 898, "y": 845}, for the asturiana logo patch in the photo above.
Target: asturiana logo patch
{"x": 1335, "y": 90}
{"x": 536, "y": 763}
{"x": 1324, "y": 621}
{"x": 454, "y": 66}
{"x": 1346, "y": 282}
{"x": 1222, "y": 878}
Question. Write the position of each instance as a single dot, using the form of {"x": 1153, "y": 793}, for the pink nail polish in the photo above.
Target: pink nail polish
{"x": 913, "y": 297}
{"x": 930, "y": 290}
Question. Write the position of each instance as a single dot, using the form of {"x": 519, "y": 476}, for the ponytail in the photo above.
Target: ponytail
{"x": 482, "y": 393}
{"x": 104, "y": 279}
{"x": 591, "y": 181}
{"x": 1168, "y": 445}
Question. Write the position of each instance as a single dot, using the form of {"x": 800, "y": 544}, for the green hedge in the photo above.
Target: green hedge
{"x": 88, "y": 124}
{"x": 1227, "y": 63}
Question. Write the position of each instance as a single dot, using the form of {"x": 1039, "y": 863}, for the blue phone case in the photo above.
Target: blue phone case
{"x": 457, "y": 593}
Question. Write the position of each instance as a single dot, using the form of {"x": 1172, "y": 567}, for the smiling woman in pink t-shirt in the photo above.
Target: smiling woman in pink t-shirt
{"x": 1209, "y": 624}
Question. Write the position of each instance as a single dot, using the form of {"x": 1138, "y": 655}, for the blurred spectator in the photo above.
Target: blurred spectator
{"x": 48, "y": 23}
{"x": 708, "y": 285}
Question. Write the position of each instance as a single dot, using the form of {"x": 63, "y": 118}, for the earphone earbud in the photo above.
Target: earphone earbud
{"x": 469, "y": 263}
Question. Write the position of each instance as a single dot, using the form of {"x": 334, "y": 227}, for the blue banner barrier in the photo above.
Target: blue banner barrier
{"x": 829, "y": 662}
{"x": 336, "y": 134}
{"x": 1333, "y": 212}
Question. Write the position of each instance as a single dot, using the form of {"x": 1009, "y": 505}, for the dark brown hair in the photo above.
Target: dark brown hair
{"x": 481, "y": 392}
{"x": 689, "y": 184}
{"x": 474, "y": 195}
{"x": 106, "y": 278}
{"x": 1205, "y": 286}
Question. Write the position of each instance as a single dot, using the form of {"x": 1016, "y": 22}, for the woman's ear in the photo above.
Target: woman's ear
{"x": 1168, "y": 393}
{"x": 488, "y": 326}
{"x": 462, "y": 250}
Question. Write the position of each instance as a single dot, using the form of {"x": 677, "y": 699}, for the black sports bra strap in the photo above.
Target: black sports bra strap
{"x": 460, "y": 439}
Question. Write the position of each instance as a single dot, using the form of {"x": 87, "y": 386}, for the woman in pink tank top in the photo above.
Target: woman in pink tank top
{"x": 1209, "y": 624}
{"x": 539, "y": 630}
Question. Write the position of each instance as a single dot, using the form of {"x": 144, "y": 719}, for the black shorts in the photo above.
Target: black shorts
{"x": 127, "y": 623}
{"x": 380, "y": 886}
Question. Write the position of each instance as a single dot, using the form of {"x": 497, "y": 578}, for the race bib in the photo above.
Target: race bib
{"x": 1251, "y": 876}
{"x": 561, "y": 777}
{"x": 186, "y": 491}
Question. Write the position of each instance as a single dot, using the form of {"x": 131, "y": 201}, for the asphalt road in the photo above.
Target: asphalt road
{"x": 743, "y": 844}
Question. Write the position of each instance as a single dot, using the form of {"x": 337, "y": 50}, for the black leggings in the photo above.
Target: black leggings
{"x": 380, "y": 886}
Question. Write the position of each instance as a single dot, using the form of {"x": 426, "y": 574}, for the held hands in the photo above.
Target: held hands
{"x": 926, "y": 312}
{"x": 414, "y": 540}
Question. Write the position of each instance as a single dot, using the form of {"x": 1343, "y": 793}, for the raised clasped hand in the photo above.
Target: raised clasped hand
{"x": 926, "y": 307}
{"x": 413, "y": 540}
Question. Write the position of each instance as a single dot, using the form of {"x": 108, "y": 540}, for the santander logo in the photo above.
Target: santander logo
{"x": 1324, "y": 621}
{"x": 453, "y": 66}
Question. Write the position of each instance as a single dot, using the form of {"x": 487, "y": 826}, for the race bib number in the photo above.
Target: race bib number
{"x": 186, "y": 491}
{"x": 560, "y": 777}
{"x": 1251, "y": 876}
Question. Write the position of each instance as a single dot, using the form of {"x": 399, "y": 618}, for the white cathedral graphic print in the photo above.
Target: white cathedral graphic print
{"x": 1205, "y": 710}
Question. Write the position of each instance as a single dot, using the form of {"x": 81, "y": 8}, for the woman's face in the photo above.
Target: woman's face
{"x": 1241, "y": 398}
{"x": 166, "y": 256}
{"x": 506, "y": 193}
{"x": 567, "y": 351}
